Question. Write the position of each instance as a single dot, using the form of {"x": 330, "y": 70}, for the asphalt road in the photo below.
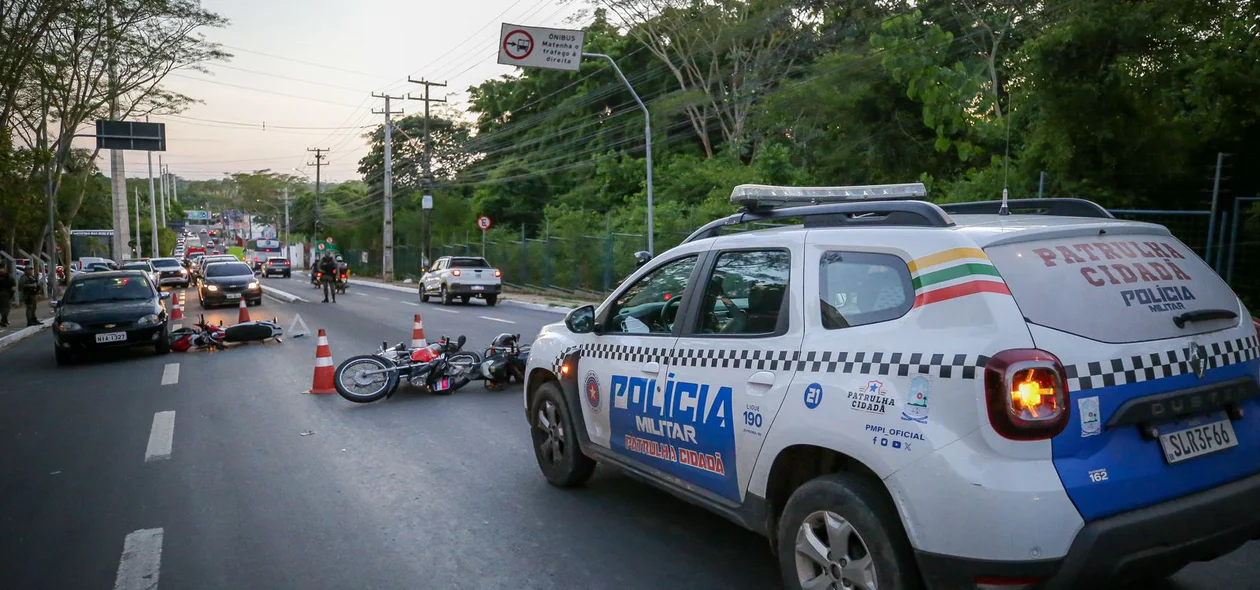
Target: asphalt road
{"x": 207, "y": 481}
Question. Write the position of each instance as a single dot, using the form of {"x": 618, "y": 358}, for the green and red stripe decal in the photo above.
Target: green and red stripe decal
{"x": 955, "y": 273}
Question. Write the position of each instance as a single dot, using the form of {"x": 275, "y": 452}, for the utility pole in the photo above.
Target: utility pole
{"x": 162, "y": 185}
{"x": 287, "y": 244}
{"x": 427, "y": 182}
{"x": 136, "y": 190}
{"x": 174, "y": 189}
{"x": 387, "y": 248}
{"x": 318, "y": 163}
{"x": 1041, "y": 185}
{"x": 153, "y": 233}
{"x": 1216, "y": 193}
{"x": 117, "y": 171}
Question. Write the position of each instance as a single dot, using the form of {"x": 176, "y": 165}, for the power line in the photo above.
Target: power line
{"x": 309, "y": 63}
{"x": 296, "y": 96}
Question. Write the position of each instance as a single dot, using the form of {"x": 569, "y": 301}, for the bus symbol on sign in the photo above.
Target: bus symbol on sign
{"x": 518, "y": 44}
{"x": 483, "y": 222}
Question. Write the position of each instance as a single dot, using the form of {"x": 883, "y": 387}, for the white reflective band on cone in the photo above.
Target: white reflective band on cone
{"x": 323, "y": 361}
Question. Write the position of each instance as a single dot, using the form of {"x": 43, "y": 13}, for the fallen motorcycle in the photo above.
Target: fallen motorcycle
{"x": 203, "y": 336}
{"x": 504, "y": 361}
{"x": 440, "y": 368}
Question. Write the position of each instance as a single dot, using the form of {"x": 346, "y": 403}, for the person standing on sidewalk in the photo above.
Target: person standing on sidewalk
{"x": 7, "y": 285}
{"x": 28, "y": 289}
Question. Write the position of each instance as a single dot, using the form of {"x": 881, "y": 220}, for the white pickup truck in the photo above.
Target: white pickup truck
{"x": 461, "y": 276}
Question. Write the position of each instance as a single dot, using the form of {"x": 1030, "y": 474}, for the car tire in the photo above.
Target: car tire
{"x": 465, "y": 299}
{"x": 63, "y": 356}
{"x": 866, "y": 518}
{"x": 424, "y": 297}
{"x": 491, "y": 300}
{"x": 555, "y": 439}
{"x": 445, "y": 296}
{"x": 163, "y": 345}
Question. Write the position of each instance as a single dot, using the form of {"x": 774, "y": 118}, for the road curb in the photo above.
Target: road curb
{"x": 414, "y": 290}
{"x": 23, "y": 334}
{"x": 282, "y": 296}
{"x": 539, "y": 306}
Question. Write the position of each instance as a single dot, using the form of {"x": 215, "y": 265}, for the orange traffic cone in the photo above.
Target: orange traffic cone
{"x": 417, "y": 333}
{"x": 243, "y": 315}
{"x": 322, "y": 382}
{"x": 177, "y": 310}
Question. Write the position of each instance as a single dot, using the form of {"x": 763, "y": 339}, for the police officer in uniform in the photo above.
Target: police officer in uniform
{"x": 7, "y": 285}
{"x": 28, "y": 288}
{"x": 329, "y": 267}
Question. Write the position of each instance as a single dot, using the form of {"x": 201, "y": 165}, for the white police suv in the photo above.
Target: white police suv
{"x": 903, "y": 395}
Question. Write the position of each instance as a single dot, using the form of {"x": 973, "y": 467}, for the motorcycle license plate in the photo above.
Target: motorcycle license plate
{"x": 442, "y": 385}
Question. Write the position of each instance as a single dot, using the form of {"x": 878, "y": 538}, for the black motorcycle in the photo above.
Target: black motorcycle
{"x": 440, "y": 368}
{"x": 504, "y": 361}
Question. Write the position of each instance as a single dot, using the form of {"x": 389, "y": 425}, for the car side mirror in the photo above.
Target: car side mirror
{"x": 581, "y": 320}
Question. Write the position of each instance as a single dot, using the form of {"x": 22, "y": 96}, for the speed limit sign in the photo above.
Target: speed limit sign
{"x": 483, "y": 222}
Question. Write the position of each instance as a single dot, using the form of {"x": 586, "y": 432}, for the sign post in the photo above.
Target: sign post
{"x": 561, "y": 49}
{"x": 483, "y": 222}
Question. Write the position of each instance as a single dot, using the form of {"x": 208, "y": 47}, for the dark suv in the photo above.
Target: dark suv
{"x": 277, "y": 265}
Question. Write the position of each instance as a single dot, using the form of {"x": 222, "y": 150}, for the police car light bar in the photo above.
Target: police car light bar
{"x": 760, "y": 196}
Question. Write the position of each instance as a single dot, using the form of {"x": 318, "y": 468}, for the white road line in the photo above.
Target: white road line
{"x": 141, "y": 561}
{"x": 411, "y": 303}
{"x": 160, "y": 437}
{"x": 170, "y": 375}
{"x": 486, "y": 317}
{"x": 443, "y": 310}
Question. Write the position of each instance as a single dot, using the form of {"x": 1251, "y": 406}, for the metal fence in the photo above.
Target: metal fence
{"x": 594, "y": 264}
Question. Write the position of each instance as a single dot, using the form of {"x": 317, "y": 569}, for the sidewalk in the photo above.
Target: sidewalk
{"x": 17, "y": 329}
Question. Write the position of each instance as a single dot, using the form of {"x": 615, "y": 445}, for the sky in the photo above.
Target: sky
{"x": 307, "y": 70}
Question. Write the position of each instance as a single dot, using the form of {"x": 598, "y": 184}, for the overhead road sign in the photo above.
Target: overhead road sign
{"x": 540, "y": 47}
{"x": 129, "y": 135}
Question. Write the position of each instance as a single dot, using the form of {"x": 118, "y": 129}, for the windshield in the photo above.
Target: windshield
{"x": 115, "y": 288}
{"x": 166, "y": 263}
{"x": 228, "y": 269}
{"x": 469, "y": 263}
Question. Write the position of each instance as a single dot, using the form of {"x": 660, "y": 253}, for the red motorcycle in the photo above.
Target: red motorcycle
{"x": 203, "y": 336}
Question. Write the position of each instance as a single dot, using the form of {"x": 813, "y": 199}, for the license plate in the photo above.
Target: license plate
{"x": 1197, "y": 437}
{"x": 478, "y": 288}
{"x": 111, "y": 337}
{"x": 231, "y": 295}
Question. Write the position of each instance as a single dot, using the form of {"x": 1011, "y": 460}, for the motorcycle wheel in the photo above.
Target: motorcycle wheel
{"x": 369, "y": 389}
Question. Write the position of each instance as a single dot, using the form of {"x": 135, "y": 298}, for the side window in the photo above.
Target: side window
{"x": 859, "y": 288}
{"x": 745, "y": 293}
{"x": 651, "y": 304}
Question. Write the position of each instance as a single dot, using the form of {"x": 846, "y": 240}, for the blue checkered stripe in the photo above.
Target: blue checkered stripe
{"x": 903, "y": 364}
{"x": 1157, "y": 365}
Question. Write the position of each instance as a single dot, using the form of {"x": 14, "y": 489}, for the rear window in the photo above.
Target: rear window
{"x": 136, "y": 266}
{"x": 859, "y": 288}
{"x": 278, "y": 260}
{"x": 1116, "y": 289}
{"x": 468, "y": 263}
{"x": 166, "y": 263}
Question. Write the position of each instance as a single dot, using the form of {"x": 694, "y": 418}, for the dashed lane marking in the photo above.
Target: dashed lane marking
{"x": 141, "y": 561}
{"x": 411, "y": 303}
{"x": 486, "y": 317}
{"x": 170, "y": 375}
{"x": 160, "y": 437}
{"x": 444, "y": 310}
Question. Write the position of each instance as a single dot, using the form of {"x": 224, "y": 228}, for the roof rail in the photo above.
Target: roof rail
{"x": 850, "y": 214}
{"x": 1056, "y": 207}
{"x": 760, "y": 196}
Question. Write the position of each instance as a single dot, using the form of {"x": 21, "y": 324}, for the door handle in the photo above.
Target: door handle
{"x": 765, "y": 378}
{"x": 652, "y": 367}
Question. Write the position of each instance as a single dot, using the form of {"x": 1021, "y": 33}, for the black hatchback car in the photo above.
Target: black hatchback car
{"x": 112, "y": 309}
{"x": 228, "y": 283}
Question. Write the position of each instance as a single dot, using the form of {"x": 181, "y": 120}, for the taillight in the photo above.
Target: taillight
{"x": 497, "y": 273}
{"x": 455, "y": 272}
{"x": 1026, "y": 393}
